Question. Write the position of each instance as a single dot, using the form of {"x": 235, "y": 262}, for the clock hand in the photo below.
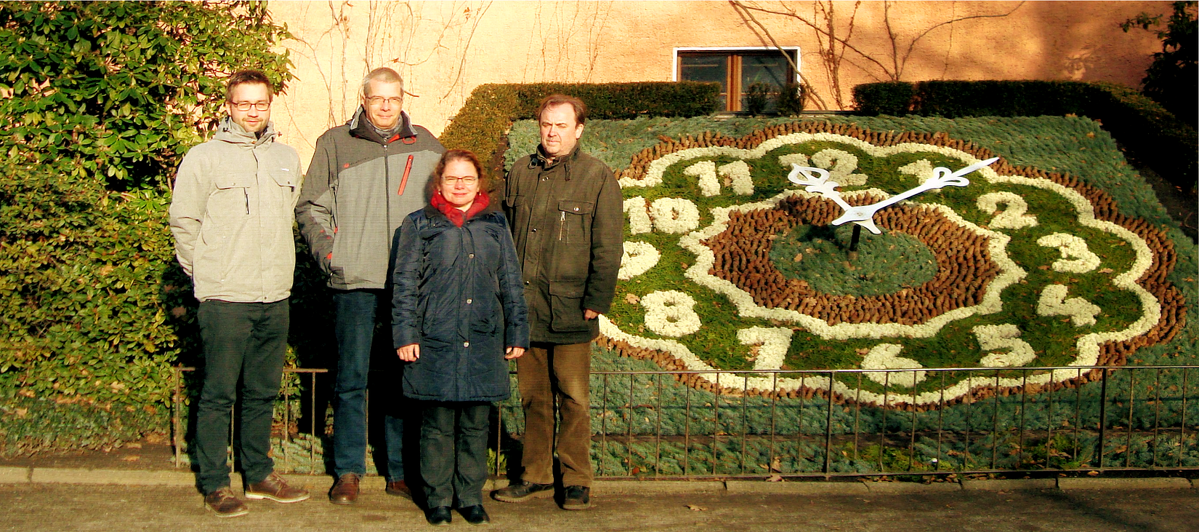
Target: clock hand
{"x": 942, "y": 177}
{"x": 818, "y": 183}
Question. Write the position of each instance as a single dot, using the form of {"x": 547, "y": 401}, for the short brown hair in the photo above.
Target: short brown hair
{"x": 242, "y": 77}
{"x": 459, "y": 155}
{"x": 559, "y": 99}
{"x": 382, "y": 75}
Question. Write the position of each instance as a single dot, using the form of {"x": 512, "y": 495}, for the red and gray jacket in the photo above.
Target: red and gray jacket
{"x": 358, "y": 190}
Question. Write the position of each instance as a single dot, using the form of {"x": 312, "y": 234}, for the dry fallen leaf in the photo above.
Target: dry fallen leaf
{"x": 696, "y": 508}
{"x": 1106, "y": 270}
{"x": 631, "y": 299}
{"x": 132, "y": 458}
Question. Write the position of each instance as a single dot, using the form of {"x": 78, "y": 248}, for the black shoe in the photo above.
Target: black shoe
{"x": 475, "y": 515}
{"x": 438, "y": 516}
{"x": 522, "y": 492}
{"x": 576, "y": 498}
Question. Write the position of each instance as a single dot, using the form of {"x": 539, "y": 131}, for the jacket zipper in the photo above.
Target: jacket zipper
{"x": 387, "y": 190}
{"x": 561, "y": 226}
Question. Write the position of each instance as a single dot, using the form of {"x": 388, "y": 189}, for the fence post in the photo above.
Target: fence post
{"x": 828, "y": 428}
{"x": 1102, "y": 416}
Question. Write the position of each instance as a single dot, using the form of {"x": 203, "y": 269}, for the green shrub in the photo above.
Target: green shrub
{"x": 757, "y": 97}
{"x": 887, "y": 98}
{"x": 100, "y": 102}
{"x": 1148, "y": 131}
{"x": 491, "y": 109}
{"x": 124, "y": 88}
{"x": 1173, "y": 78}
{"x": 791, "y": 100}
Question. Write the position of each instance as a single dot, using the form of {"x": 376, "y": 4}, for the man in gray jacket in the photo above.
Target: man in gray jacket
{"x": 231, "y": 214}
{"x": 366, "y": 177}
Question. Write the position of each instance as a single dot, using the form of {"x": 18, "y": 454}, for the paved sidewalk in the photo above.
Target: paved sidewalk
{"x": 39, "y": 498}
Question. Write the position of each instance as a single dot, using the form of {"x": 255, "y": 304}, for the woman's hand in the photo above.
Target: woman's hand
{"x": 409, "y": 353}
{"x": 513, "y": 352}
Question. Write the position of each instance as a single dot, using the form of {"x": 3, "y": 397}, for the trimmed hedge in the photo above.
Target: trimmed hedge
{"x": 491, "y": 108}
{"x": 1150, "y": 133}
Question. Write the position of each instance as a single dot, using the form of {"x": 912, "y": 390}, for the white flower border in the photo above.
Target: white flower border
{"x": 1088, "y": 345}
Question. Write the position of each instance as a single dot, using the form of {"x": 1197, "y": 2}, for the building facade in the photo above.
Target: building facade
{"x": 446, "y": 49}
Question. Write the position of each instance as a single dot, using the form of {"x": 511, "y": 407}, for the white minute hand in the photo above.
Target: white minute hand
{"x": 942, "y": 177}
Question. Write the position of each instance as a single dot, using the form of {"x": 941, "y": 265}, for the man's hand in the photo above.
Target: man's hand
{"x": 589, "y": 314}
{"x": 513, "y": 352}
{"x": 409, "y": 353}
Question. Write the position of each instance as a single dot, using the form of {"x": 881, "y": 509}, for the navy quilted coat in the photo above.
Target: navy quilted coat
{"x": 457, "y": 292}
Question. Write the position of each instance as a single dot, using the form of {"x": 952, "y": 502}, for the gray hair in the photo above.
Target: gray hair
{"x": 384, "y": 75}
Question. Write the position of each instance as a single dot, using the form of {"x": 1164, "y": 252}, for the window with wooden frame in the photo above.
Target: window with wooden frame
{"x": 736, "y": 69}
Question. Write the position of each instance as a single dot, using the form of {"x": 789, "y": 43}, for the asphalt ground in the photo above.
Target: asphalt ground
{"x": 50, "y": 498}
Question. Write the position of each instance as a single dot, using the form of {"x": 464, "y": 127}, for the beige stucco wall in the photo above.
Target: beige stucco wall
{"x": 446, "y": 49}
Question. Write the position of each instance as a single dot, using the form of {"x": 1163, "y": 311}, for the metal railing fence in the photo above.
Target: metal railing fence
{"x": 649, "y": 424}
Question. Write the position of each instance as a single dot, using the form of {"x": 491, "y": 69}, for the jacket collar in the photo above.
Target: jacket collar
{"x": 360, "y": 127}
{"x": 229, "y": 131}
{"x": 542, "y": 159}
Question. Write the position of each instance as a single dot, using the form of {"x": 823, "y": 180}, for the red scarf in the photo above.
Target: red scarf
{"x": 454, "y": 213}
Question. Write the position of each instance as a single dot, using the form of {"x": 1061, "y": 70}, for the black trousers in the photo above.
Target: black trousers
{"x": 244, "y": 341}
{"x": 453, "y": 452}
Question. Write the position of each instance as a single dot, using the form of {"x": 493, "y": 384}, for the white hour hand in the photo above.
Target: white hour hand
{"x": 942, "y": 177}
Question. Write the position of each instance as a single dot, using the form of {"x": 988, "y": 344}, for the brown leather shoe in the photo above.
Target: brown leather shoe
{"x": 345, "y": 491}
{"x": 224, "y": 503}
{"x": 399, "y": 488}
{"x": 273, "y": 487}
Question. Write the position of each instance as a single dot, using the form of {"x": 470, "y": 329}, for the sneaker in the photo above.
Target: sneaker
{"x": 224, "y": 503}
{"x": 345, "y": 490}
{"x": 439, "y": 516}
{"x": 399, "y": 488}
{"x": 523, "y": 491}
{"x": 273, "y": 487}
{"x": 475, "y": 515}
{"x": 576, "y": 498}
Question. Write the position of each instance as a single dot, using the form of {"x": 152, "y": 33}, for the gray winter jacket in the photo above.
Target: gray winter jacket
{"x": 231, "y": 214}
{"x": 357, "y": 192}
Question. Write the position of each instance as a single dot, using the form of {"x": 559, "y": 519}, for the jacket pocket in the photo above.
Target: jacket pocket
{"x": 287, "y": 187}
{"x": 574, "y": 221}
{"x": 566, "y": 307}
{"x": 231, "y": 199}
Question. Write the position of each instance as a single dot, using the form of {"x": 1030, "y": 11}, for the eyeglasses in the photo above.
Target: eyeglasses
{"x": 378, "y": 100}
{"x": 465, "y": 180}
{"x": 245, "y": 106}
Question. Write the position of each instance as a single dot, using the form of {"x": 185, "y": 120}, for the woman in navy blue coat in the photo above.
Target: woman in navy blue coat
{"x": 458, "y": 316}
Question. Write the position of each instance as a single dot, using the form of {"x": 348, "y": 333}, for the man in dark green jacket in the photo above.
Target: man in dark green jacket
{"x": 365, "y": 178}
{"x": 567, "y": 222}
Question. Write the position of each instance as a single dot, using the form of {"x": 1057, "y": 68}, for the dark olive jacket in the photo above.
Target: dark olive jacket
{"x": 457, "y": 294}
{"x": 568, "y": 225}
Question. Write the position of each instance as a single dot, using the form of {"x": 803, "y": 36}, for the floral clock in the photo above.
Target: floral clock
{"x": 731, "y": 265}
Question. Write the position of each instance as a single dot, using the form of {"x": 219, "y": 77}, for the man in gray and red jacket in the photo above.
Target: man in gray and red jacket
{"x": 365, "y": 178}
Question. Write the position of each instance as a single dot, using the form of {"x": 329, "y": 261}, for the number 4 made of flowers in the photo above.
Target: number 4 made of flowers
{"x": 1053, "y": 302}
